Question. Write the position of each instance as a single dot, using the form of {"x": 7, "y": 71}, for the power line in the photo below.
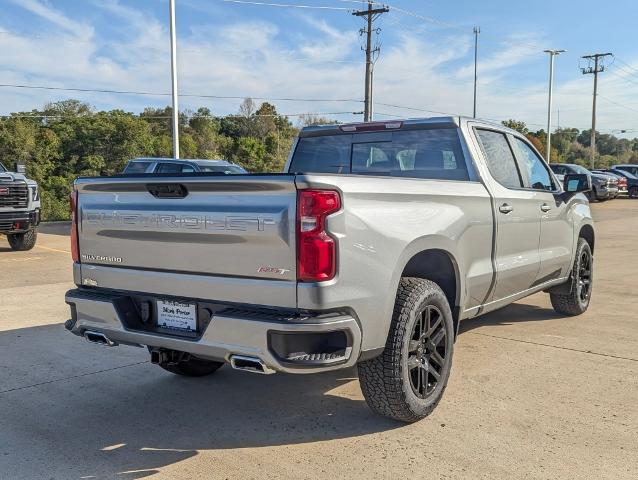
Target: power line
{"x": 285, "y": 5}
{"x": 618, "y": 104}
{"x": 167, "y": 117}
{"x": 628, "y": 66}
{"x": 162, "y": 94}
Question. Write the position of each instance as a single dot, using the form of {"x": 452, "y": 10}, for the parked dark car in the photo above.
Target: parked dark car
{"x": 631, "y": 168}
{"x": 172, "y": 165}
{"x": 604, "y": 187}
{"x": 632, "y": 181}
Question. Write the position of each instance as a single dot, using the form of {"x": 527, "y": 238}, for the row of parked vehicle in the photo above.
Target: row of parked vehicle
{"x": 607, "y": 183}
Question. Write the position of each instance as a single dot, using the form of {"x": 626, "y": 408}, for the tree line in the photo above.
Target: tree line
{"x": 68, "y": 139}
{"x": 570, "y": 145}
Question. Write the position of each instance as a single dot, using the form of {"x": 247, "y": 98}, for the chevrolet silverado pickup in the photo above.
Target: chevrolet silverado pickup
{"x": 368, "y": 251}
{"x": 19, "y": 209}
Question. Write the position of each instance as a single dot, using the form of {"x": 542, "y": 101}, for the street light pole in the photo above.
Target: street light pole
{"x": 552, "y": 54}
{"x": 477, "y": 30}
{"x": 175, "y": 116}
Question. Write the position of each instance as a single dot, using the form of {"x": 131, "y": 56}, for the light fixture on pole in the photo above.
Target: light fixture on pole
{"x": 552, "y": 54}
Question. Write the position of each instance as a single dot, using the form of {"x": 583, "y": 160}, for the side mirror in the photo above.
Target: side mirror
{"x": 574, "y": 183}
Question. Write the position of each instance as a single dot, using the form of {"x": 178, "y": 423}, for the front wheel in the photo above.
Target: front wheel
{"x": 22, "y": 241}
{"x": 580, "y": 282}
{"x": 407, "y": 381}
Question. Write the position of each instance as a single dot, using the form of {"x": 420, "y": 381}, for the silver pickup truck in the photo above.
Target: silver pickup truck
{"x": 368, "y": 251}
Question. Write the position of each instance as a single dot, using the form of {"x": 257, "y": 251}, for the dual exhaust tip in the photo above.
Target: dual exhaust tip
{"x": 250, "y": 364}
{"x": 99, "y": 338}
{"x": 237, "y": 362}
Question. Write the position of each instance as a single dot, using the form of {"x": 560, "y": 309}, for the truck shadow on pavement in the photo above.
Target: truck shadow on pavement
{"x": 513, "y": 313}
{"x": 95, "y": 412}
{"x": 133, "y": 420}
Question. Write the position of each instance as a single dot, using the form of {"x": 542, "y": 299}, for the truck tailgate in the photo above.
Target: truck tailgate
{"x": 234, "y": 233}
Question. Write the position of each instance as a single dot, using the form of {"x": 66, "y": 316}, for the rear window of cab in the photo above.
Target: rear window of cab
{"x": 427, "y": 153}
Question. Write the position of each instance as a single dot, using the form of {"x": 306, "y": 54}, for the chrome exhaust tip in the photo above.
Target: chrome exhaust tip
{"x": 250, "y": 364}
{"x": 100, "y": 338}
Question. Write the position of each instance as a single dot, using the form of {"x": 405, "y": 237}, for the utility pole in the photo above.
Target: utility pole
{"x": 174, "y": 81}
{"x": 477, "y": 30}
{"x": 371, "y": 15}
{"x": 596, "y": 69}
{"x": 552, "y": 54}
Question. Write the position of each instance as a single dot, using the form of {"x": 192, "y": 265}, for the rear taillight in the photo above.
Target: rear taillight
{"x": 75, "y": 247}
{"x": 316, "y": 249}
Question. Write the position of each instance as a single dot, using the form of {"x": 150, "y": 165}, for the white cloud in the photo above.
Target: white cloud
{"x": 56, "y": 17}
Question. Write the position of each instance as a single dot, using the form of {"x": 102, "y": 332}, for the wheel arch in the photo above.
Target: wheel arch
{"x": 439, "y": 266}
{"x": 587, "y": 232}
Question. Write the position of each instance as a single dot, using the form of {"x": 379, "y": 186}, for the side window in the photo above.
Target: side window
{"x": 539, "y": 177}
{"x": 168, "y": 168}
{"x": 187, "y": 169}
{"x": 499, "y": 158}
{"x": 134, "y": 167}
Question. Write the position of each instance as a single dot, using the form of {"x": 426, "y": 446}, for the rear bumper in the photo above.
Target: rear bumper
{"x": 230, "y": 332}
{"x": 20, "y": 221}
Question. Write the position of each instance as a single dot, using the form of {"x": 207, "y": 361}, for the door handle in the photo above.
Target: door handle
{"x": 545, "y": 208}
{"x": 505, "y": 208}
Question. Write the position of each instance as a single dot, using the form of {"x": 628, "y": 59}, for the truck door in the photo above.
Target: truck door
{"x": 556, "y": 239}
{"x": 517, "y": 217}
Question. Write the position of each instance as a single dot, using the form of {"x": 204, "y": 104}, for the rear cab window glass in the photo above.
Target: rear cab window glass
{"x": 422, "y": 153}
{"x": 136, "y": 167}
{"x": 499, "y": 158}
{"x": 174, "y": 168}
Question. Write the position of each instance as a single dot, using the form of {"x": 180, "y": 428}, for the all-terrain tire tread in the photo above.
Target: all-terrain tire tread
{"x": 21, "y": 242}
{"x": 380, "y": 377}
{"x": 568, "y": 304}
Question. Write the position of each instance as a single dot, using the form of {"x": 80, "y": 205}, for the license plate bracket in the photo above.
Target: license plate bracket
{"x": 176, "y": 316}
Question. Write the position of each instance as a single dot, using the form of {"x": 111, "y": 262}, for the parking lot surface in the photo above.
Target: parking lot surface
{"x": 532, "y": 395}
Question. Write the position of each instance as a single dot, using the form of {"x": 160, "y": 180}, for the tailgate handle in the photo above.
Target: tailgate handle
{"x": 167, "y": 190}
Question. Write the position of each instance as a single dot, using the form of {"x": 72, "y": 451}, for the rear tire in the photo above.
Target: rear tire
{"x": 407, "y": 381}
{"x": 577, "y": 300}
{"x": 193, "y": 367}
{"x": 22, "y": 241}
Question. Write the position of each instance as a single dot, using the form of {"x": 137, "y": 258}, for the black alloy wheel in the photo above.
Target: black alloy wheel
{"x": 427, "y": 352}
{"x": 584, "y": 275}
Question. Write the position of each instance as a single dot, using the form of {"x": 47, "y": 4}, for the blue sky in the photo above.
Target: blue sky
{"x": 234, "y": 49}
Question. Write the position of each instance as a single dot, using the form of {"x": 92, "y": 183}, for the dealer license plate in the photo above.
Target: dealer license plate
{"x": 177, "y": 315}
